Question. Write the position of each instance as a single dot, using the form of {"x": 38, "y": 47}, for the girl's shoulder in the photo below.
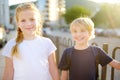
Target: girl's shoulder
{"x": 6, "y": 51}
{"x": 11, "y": 42}
{"x": 45, "y": 39}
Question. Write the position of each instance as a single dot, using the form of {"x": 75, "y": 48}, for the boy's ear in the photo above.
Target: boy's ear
{"x": 90, "y": 34}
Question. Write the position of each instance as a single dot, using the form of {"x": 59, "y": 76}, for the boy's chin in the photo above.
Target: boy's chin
{"x": 79, "y": 42}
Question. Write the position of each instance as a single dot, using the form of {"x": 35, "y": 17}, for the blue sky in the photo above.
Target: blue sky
{"x": 13, "y": 2}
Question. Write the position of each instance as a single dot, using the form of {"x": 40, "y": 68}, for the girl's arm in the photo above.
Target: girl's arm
{"x": 64, "y": 75}
{"x": 8, "y": 69}
{"x": 115, "y": 64}
{"x": 53, "y": 67}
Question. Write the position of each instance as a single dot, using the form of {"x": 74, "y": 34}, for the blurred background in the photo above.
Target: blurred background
{"x": 58, "y": 14}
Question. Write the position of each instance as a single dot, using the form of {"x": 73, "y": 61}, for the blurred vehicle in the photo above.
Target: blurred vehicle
{"x": 3, "y": 36}
{"x": 99, "y": 32}
{"x": 47, "y": 30}
{"x": 110, "y": 33}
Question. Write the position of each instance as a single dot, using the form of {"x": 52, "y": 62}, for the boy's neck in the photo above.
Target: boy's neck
{"x": 81, "y": 47}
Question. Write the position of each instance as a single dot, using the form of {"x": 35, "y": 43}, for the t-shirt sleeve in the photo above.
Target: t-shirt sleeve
{"x": 63, "y": 62}
{"x": 6, "y": 51}
{"x": 103, "y": 57}
{"x": 51, "y": 47}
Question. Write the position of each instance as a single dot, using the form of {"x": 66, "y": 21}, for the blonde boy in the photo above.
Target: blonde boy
{"x": 83, "y": 57}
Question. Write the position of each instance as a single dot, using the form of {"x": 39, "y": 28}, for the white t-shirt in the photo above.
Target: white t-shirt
{"x": 33, "y": 63}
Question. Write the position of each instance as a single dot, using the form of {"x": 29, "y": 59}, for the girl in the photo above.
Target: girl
{"x": 29, "y": 56}
{"x": 84, "y": 57}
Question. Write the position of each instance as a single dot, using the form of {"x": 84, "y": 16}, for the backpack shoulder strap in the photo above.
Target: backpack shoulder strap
{"x": 94, "y": 50}
{"x": 95, "y": 53}
{"x": 69, "y": 53}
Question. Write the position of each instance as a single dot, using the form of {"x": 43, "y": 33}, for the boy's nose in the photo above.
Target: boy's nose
{"x": 79, "y": 33}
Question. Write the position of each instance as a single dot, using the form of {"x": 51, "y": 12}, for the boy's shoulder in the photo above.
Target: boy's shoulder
{"x": 95, "y": 47}
{"x": 69, "y": 49}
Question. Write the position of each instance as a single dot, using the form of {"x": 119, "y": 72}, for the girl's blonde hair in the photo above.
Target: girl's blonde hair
{"x": 85, "y": 22}
{"x": 19, "y": 38}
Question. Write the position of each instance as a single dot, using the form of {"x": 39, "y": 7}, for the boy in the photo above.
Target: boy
{"x": 82, "y": 62}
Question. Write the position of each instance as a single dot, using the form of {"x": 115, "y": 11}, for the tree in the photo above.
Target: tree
{"x": 108, "y": 16}
{"x": 75, "y": 12}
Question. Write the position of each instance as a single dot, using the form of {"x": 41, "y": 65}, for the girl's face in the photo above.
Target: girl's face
{"x": 80, "y": 34}
{"x": 27, "y": 22}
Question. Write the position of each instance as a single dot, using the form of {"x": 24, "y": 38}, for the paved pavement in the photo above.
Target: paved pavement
{"x": 1, "y": 66}
{"x": 9, "y": 36}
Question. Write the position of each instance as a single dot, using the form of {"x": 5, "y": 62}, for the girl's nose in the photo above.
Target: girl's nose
{"x": 28, "y": 23}
{"x": 79, "y": 33}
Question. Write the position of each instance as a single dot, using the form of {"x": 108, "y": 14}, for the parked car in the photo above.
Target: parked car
{"x": 3, "y": 36}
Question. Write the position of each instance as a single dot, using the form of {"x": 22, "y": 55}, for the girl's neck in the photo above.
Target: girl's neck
{"x": 81, "y": 46}
{"x": 30, "y": 37}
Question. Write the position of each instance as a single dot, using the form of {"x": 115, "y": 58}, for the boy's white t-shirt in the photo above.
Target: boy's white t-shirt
{"x": 33, "y": 62}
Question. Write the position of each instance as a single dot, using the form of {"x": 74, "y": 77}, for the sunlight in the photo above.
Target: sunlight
{"x": 13, "y": 2}
{"x": 106, "y": 1}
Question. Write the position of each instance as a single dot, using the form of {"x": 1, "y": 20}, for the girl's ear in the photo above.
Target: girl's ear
{"x": 17, "y": 24}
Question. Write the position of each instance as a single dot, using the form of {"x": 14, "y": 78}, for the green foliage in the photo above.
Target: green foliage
{"x": 75, "y": 12}
{"x": 13, "y": 6}
{"x": 108, "y": 16}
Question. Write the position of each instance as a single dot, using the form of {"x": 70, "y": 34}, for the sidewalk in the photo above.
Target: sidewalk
{"x": 9, "y": 36}
{"x": 1, "y": 65}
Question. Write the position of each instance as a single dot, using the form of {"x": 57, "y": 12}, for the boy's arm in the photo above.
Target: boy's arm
{"x": 8, "y": 70}
{"x": 53, "y": 67}
{"x": 64, "y": 75}
{"x": 115, "y": 64}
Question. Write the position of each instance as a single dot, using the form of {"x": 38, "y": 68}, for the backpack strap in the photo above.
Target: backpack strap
{"x": 69, "y": 53}
{"x": 96, "y": 61}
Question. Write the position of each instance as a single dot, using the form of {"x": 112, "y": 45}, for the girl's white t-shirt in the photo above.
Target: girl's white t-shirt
{"x": 33, "y": 62}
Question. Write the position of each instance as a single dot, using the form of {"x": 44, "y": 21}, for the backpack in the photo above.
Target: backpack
{"x": 69, "y": 53}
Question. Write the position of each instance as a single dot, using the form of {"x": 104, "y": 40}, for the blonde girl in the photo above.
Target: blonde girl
{"x": 29, "y": 56}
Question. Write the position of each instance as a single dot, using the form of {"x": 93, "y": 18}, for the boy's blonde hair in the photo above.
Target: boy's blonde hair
{"x": 19, "y": 38}
{"x": 85, "y": 22}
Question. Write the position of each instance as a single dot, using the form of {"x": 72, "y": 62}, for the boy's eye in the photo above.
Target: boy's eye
{"x": 32, "y": 19}
{"x": 82, "y": 30}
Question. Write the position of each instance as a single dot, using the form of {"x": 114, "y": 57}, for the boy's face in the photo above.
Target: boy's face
{"x": 80, "y": 34}
{"x": 27, "y": 22}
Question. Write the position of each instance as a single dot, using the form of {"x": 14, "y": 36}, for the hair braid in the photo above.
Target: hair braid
{"x": 19, "y": 39}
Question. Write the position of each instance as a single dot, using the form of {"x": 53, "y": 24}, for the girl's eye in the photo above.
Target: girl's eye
{"x": 22, "y": 20}
{"x": 74, "y": 31}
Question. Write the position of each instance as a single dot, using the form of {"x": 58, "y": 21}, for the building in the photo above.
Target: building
{"x": 51, "y": 10}
{"x": 4, "y": 13}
